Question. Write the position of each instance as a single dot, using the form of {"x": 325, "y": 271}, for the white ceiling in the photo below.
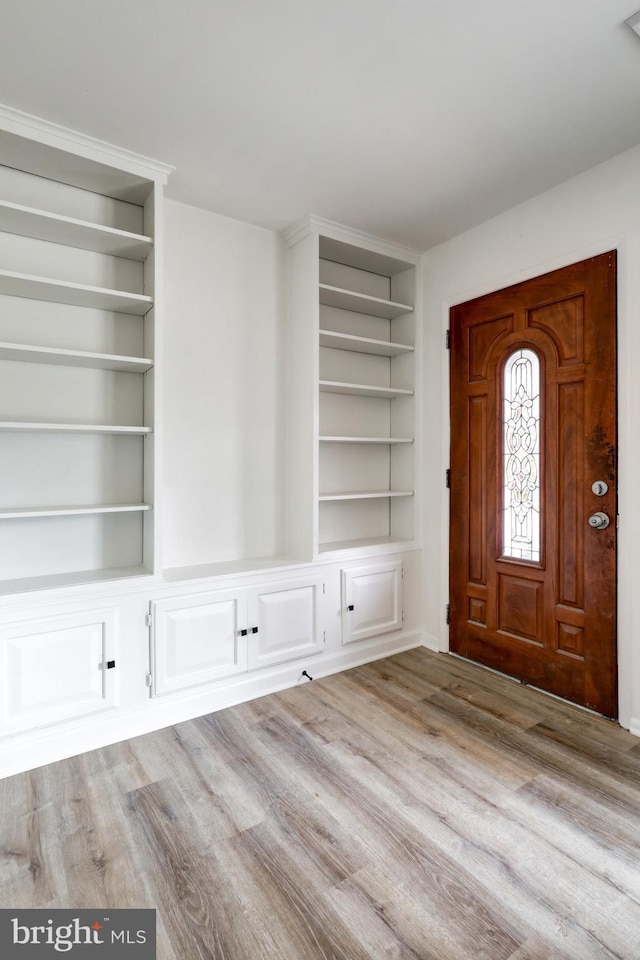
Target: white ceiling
{"x": 411, "y": 119}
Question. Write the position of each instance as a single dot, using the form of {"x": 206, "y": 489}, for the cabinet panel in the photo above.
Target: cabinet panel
{"x": 371, "y": 600}
{"x": 56, "y": 669}
{"x": 196, "y": 640}
{"x": 287, "y": 622}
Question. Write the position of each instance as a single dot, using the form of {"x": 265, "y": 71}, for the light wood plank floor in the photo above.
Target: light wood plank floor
{"x": 417, "y": 807}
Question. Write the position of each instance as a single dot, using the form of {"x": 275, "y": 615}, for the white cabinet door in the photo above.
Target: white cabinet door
{"x": 197, "y": 639}
{"x": 371, "y": 600}
{"x": 57, "y": 669}
{"x": 284, "y": 622}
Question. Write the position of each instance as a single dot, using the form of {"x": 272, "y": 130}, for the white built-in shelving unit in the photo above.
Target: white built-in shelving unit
{"x": 352, "y": 342}
{"x": 98, "y": 641}
{"x": 80, "y": 292}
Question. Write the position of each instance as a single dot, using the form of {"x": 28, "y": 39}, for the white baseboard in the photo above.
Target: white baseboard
{"x": 64, "y": 740}
{"x": 431, "y": 642}
{"x": 634, "y": 726}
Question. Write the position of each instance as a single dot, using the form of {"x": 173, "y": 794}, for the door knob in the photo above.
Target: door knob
{"x": 599, "y": 520}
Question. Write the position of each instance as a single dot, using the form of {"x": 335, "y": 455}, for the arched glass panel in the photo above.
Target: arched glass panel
{"x": 521, "y": 456}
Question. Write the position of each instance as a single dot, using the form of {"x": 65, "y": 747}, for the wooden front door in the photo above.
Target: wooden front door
{"x": 533, "y": 447}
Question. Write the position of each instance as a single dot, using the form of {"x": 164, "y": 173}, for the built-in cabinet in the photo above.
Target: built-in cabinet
{"x": 92, "y": 670}
{"x": 285, "y": 623}
{"x": 352, "y": 304}
{"x": 79, "y": 244}
{"x": 195, "y": 640}
{"x": 371, "y": 599}
{"x": 98, "y": 642}
{"x": 58, "y": 668}
{"x": 204, "y": 637}
{"x": 207, "y": 637}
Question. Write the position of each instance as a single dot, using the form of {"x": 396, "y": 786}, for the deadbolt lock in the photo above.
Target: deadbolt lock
{"x": 600, "y": 488}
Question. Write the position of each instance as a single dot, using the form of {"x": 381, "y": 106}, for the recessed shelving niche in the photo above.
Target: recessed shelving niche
{"x": 79, "y": 240}
{"x": 358, "y": 295}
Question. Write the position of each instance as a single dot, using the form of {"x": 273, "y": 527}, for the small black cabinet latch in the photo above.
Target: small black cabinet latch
{"x": 254, "y": 629}
{"x": 350, "y": 607}
{"x": 110, "y": 664}
{"x": 243, "y": 633}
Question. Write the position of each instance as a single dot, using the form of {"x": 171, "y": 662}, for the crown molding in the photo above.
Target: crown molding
{"x": 53, "y": 135}
{"x": 312, "y": 224}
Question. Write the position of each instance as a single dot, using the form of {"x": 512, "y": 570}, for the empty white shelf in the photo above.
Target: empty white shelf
{"x": 228, "y": 567}
{"x": 361, "y": 302}
{"x": 21, "y": 426}
{"x": 346, "y": 341}
{"x": 20, "y": 513}
{"x": 42, "y": 225}
{"x": 369, "y": 495}
{"x": 73, "y": 358}
{"x": 341, "y": 545}
{"x": 75, "y": 294}
{"x": 383, "y": 440}
{"x": 362, "y": 390}
{"x": 56, "y": 580}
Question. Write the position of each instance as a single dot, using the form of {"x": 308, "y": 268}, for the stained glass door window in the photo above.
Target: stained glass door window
{"x": 521, "y": 456}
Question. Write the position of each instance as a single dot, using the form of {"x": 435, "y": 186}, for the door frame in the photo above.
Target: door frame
{"x": 624, "y": 584}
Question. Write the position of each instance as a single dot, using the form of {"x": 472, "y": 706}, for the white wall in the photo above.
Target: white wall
{"x": 590, "y": 214}
{"x": 222, "y": 389}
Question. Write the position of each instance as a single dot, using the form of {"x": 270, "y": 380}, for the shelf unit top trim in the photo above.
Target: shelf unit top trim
{"x": 19, "y": 513}
{"x": 33, "y": 144}
{"x": 42, "y": 225}
{"x": 350, "y": 342}
{"x": 397, "y": 254}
